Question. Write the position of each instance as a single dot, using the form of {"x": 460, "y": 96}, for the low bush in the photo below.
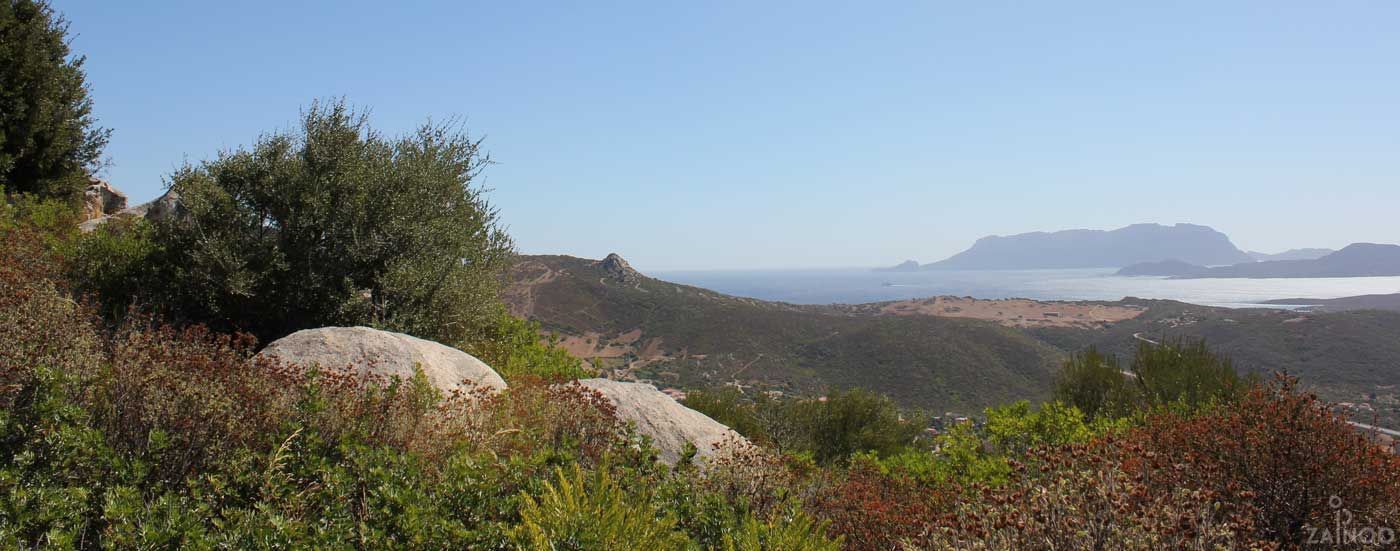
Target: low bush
{"x": 1282, "y": 453}
{"x": 513, "y": 347}
{"x": 830, "y": 429}
{"x": 581, "y": 511}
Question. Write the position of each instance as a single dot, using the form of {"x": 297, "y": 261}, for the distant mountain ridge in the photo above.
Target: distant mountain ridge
{"x": 1355, "y": 260}
{"x": 1292, "y": 254}
{"x": 1124, "y": 246}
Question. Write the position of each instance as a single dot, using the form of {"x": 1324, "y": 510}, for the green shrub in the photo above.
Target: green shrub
{"x": 853, "y": 421}
{"x": 1173, "y": 374}
{"x": 1096, "y": 384}
{"x": 793, "y": 532}
{"x": 1016, "y": 428}
{"x": 335, "y": 224}
{"x": 582, "y": 511}
{"x": 829, "y": 430}
{"x": 731, "y": 408}
{"x": 1187, "y": 374}
{"x": 110, "y": 264}
{"x": 513, "y": 348}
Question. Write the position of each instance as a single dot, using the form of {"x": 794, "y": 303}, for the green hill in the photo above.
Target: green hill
{"x": 689, "y": 337}
{"x": 1351, "y": 356}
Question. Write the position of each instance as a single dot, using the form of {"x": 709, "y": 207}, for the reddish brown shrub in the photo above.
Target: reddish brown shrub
{"x": 533, "y": 416}
{"x": 878, "y": 511}
{"x": 1081, "y": 497}
{"x": 39, "y": 325}
{"x": 1281, "y": 452}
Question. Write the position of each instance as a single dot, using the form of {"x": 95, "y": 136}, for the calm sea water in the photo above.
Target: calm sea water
{"x": 862, "y": 285}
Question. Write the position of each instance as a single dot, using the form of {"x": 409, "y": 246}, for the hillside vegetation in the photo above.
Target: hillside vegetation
{"x": 685, "y": 336}
{"x": 137, "y": 411}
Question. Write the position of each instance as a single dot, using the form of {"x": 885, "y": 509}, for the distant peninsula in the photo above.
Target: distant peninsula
{"x": 1355, "y": 260}
{"x": 1163, "y": 268}
{"x": 1362, "y": 302}
{"x": 1125, "y": 246}
{"x": 906, "y": 266}
{"x": 1292, "y": 254}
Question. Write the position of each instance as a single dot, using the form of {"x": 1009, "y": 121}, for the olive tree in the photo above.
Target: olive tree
{"x": 335, "y": 224}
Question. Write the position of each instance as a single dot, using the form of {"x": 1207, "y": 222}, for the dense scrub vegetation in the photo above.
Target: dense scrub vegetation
{"x": 148, "y": 435}
{"x": 1343, "y": 356}
{"x": 130, "y": 419}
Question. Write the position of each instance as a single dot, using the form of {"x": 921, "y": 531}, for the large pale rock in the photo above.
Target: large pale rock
{"x": 669, "y": 424}
{"x": 371, "y": 351}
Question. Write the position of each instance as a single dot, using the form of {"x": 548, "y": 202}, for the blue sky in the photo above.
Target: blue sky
{"x": 694, "y": 135}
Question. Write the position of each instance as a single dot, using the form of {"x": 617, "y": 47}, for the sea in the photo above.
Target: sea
{"x": 860, "y": 285}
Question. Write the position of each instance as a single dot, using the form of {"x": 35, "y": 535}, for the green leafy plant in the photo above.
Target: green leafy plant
{"x": 513, "y": 347}
{"x": 590, "y": 511}
{"x": 795, "y": 531}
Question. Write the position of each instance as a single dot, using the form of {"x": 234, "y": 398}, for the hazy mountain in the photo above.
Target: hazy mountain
{"x": 1362, "y": 302}
{"x": 1097, "y": 249}
{"x": 1291, "y": 254}
{"x": 1355, "y": 260}
{"x": 906, "y": 266}
{"x": 1162, "y": 268}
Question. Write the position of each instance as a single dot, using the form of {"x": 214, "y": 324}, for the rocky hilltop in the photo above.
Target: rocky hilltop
{"x": 1097, "y": 249}
{"x": 619, "y": 270}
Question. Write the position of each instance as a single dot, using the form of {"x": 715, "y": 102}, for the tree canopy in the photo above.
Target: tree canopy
{"x": 49, "y": 139}
{"x": 336, "y": 224}
{"x": 1174, "y": 373}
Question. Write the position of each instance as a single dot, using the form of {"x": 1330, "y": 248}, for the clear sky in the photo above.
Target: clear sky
{"x": 746, "y": 134}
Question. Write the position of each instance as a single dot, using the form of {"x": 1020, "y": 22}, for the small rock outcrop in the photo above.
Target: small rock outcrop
{"x": 372, "y": 351}
{"x": 101, "y": 199}
{"x": 162, "y": 208}
{"x": 619, "y": 270}
{"x": 669, "y": 424}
